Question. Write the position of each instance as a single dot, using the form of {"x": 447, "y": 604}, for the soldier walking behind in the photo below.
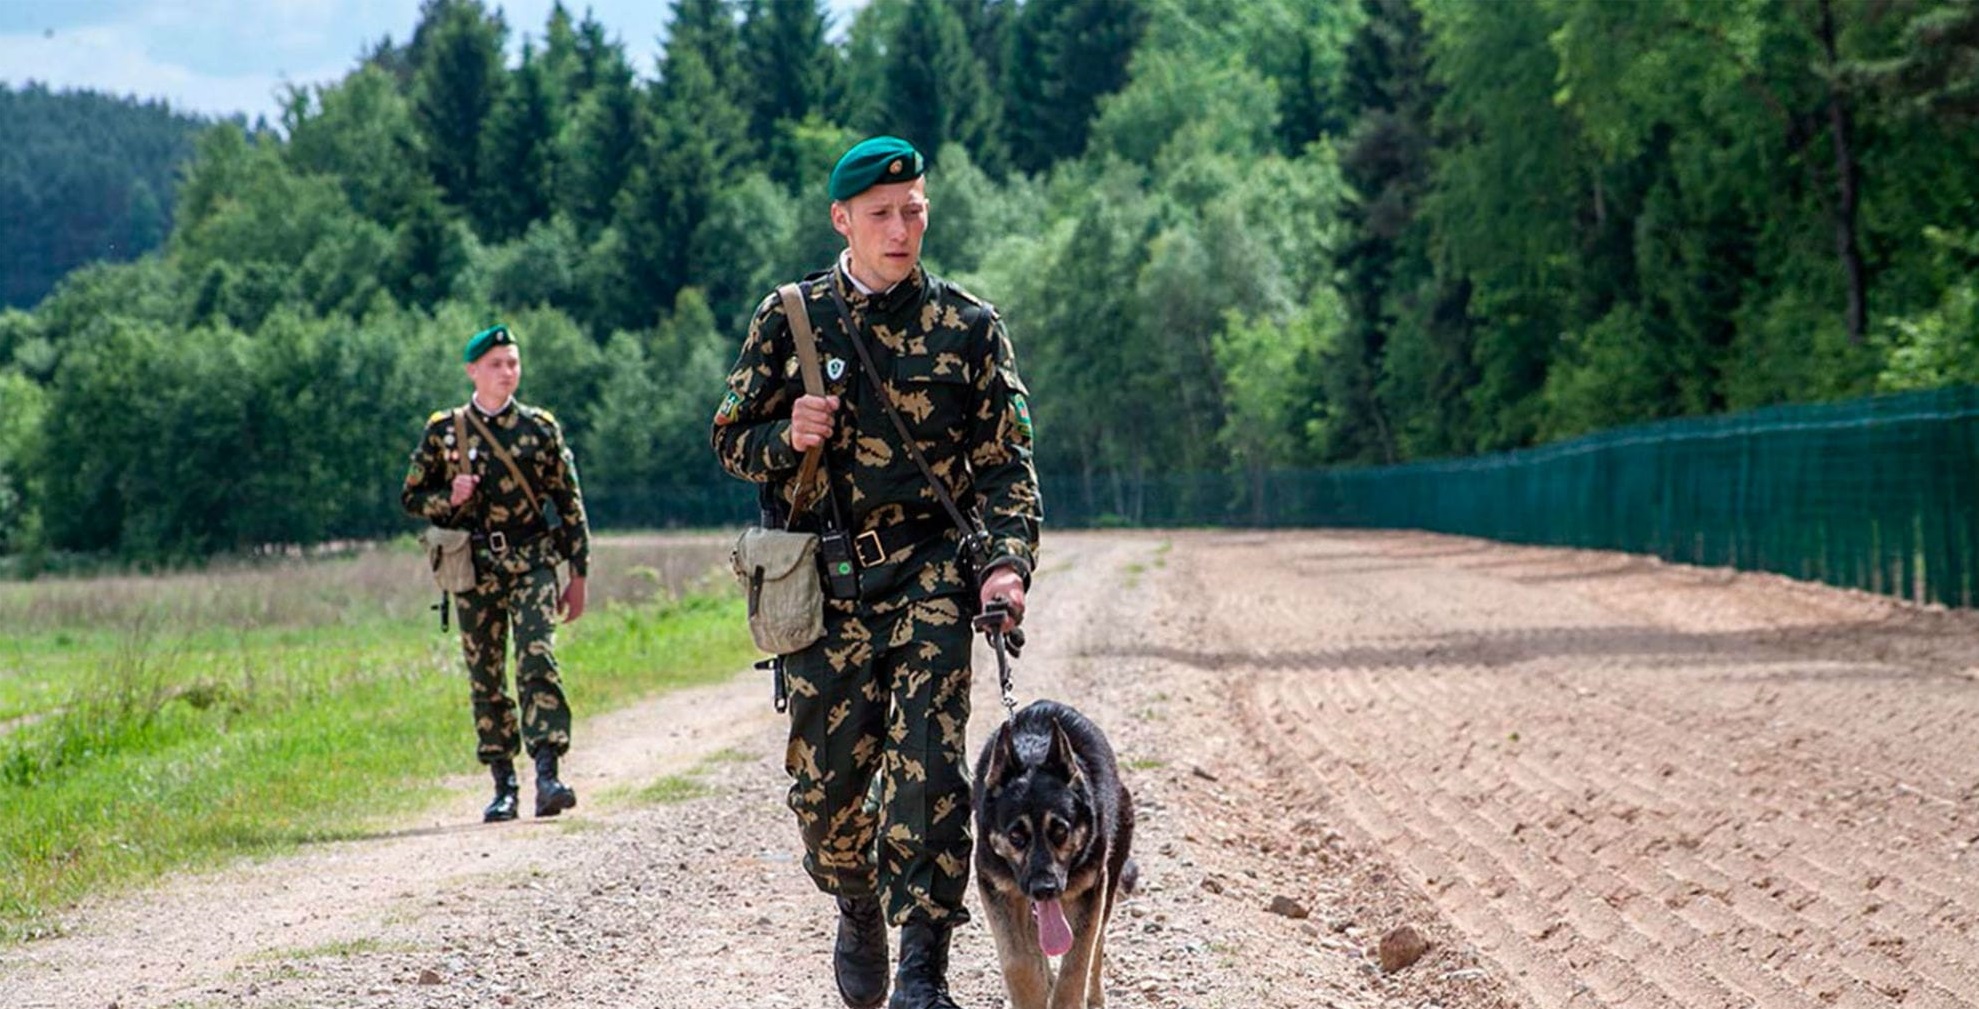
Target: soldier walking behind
{"x": 502, "y": 470}
{"x": 880, "y": 704}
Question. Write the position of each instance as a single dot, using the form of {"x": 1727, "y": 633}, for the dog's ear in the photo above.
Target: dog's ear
{"x": 1061, "y": 756}
{"x": 1003, "y": 763}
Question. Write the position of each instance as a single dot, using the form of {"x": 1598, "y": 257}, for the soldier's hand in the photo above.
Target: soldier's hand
{"x": 572, "y": 603}
{"x": 463, "y": 489}
{"x": 811, "y": 421}
{"x": 1006, "y": 584}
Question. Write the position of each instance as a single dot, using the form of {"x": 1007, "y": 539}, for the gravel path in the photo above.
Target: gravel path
{"x": 1585, "y": 779}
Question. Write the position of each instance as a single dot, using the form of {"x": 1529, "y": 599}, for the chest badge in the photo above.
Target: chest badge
{"x": 834, "y": 368}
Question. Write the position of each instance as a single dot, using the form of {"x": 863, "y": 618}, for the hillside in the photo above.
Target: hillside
{"x": 84, "y": 177}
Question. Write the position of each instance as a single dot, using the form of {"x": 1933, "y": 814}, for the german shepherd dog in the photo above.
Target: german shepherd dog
{"x": 1054, "y": 826}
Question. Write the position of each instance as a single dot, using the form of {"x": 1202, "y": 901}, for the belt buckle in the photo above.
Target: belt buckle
{"x": 859, "y": 549}
{"x": 498, "y": 541}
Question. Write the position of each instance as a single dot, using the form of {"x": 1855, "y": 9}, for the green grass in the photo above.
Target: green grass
{"x": 141, "y": 740}
{"x": 1133, "y": 570}
{"x": 681, "y": 787}
{"x": 675, "y": 788}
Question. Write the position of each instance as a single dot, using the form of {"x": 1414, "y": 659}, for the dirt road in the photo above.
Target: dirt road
{"x": 1588, "y": 779}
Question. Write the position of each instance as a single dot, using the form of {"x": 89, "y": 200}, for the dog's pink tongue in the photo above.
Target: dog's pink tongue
{"x": 1054, "y": 934}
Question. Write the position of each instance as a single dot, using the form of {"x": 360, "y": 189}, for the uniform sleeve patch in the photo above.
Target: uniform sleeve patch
{"x": 731, "y": 406}
{"x": 1022, "y": 407}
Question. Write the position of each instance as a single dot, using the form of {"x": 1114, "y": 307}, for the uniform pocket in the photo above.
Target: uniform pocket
{"x": 933, "y": 394}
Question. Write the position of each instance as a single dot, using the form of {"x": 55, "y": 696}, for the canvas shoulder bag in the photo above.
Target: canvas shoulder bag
{"x": 778, "y": 568}
{"x": 448, "y": 551}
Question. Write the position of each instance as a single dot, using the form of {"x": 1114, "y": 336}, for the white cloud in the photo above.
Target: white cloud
{"x": 226, "y": 57}
{"x": 117, "y": 59}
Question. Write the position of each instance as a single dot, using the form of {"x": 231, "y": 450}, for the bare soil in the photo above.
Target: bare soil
{"x": 1586, "y": 779}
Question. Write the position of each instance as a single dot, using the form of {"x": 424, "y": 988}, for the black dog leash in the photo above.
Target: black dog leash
{"x": 1008, "y": 644}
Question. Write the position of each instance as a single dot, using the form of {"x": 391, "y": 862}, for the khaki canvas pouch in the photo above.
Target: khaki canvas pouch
{"x": 450, "y": 552}
{"x": 451, "y": 555}
{"x": 779, "y": 570}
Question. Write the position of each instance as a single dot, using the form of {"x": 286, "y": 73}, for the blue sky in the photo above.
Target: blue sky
{"x": 220, "y": 57}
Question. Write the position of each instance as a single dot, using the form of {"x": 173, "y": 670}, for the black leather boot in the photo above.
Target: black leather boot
{"x": 552, "y": 796}
{"x": 858, "y": 958}
{"x": 923, "y": 979}
{"x": 507, "y": 793}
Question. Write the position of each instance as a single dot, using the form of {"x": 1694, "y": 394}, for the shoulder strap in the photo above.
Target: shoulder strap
{"x": 495, "y": 446}
{"x": 460, "y": 442}
{"x": 799, "y": 319}
{"x": 962, "y": 524}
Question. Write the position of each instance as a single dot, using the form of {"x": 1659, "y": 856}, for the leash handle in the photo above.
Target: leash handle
{"x": 1006, "y": 643}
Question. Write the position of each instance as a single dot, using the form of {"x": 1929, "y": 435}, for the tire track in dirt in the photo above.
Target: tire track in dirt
{"x": 1705, "y": 804}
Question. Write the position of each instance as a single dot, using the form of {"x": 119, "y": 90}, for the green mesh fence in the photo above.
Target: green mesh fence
{"x": 1877, "y": 494}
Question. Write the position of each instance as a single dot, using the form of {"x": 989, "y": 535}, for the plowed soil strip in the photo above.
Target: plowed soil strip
{"x": 1650, "y": 786}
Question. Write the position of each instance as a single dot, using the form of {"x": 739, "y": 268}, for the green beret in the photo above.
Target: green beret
{"x": 873, "y": 162}
{"x": 485, "y": 341}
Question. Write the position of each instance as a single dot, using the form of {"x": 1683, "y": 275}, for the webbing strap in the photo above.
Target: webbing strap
{"x": 806, "y": 343}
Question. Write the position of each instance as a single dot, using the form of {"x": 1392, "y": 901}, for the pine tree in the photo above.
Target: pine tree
{"x": 1385, "y": 158}
{"x": 707, "y": 28}
{"x": 456, "y": 85}
{"x": 563, "y": 56}
{"x": 693, "y": 138}
{"x": 1063, "y": 57}
{"x": 520, "y": 153}
{"x": 934, "y": 90}
{"x": 988, "y": 24}
{"x": 788, "y": 70}
{"x": 601, "y": 139}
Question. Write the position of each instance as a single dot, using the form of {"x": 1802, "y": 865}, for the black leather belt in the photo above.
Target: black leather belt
{"x": 874, "y": 546}
{"x": 502, "y": 539}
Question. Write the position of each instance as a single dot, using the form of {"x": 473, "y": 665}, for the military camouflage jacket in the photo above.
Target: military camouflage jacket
{"x": 949, "y": 368}
{"x": 535, "y": 441}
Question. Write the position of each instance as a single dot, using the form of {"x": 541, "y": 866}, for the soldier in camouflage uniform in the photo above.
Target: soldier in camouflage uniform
{"x": 880, "y": 704}
{"x": 458, "y": 481}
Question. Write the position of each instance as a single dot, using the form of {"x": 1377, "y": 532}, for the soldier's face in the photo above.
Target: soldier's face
{"x": 496, "y": 374}
{"x": 883, "y": 228}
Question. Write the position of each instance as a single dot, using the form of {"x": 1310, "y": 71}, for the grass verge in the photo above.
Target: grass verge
{"x": 172, "y": 751}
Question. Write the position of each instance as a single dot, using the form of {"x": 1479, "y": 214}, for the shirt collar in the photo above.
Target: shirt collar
{"x": 864, "y": 298}
{"x": 491, "y": 414}
{"x": 845, "y": 267}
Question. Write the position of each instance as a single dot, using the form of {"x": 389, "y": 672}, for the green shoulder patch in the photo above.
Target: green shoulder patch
{"x": 731, "y": 405}
{"x": 1022, "y": 407}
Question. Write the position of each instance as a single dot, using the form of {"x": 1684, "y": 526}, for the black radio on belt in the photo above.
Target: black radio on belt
{"x": 841, "y": 572}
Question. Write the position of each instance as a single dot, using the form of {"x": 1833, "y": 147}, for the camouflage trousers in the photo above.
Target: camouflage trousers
{"x": 517, "y": 599}
{"x": 879, "y": 711}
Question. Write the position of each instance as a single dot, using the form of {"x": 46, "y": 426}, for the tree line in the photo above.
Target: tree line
{"x": 1227, "y": 237}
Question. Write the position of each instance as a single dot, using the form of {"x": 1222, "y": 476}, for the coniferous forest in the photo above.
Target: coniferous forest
{"x": 1228, "y": 236}
{"x": 84, "y": 177}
